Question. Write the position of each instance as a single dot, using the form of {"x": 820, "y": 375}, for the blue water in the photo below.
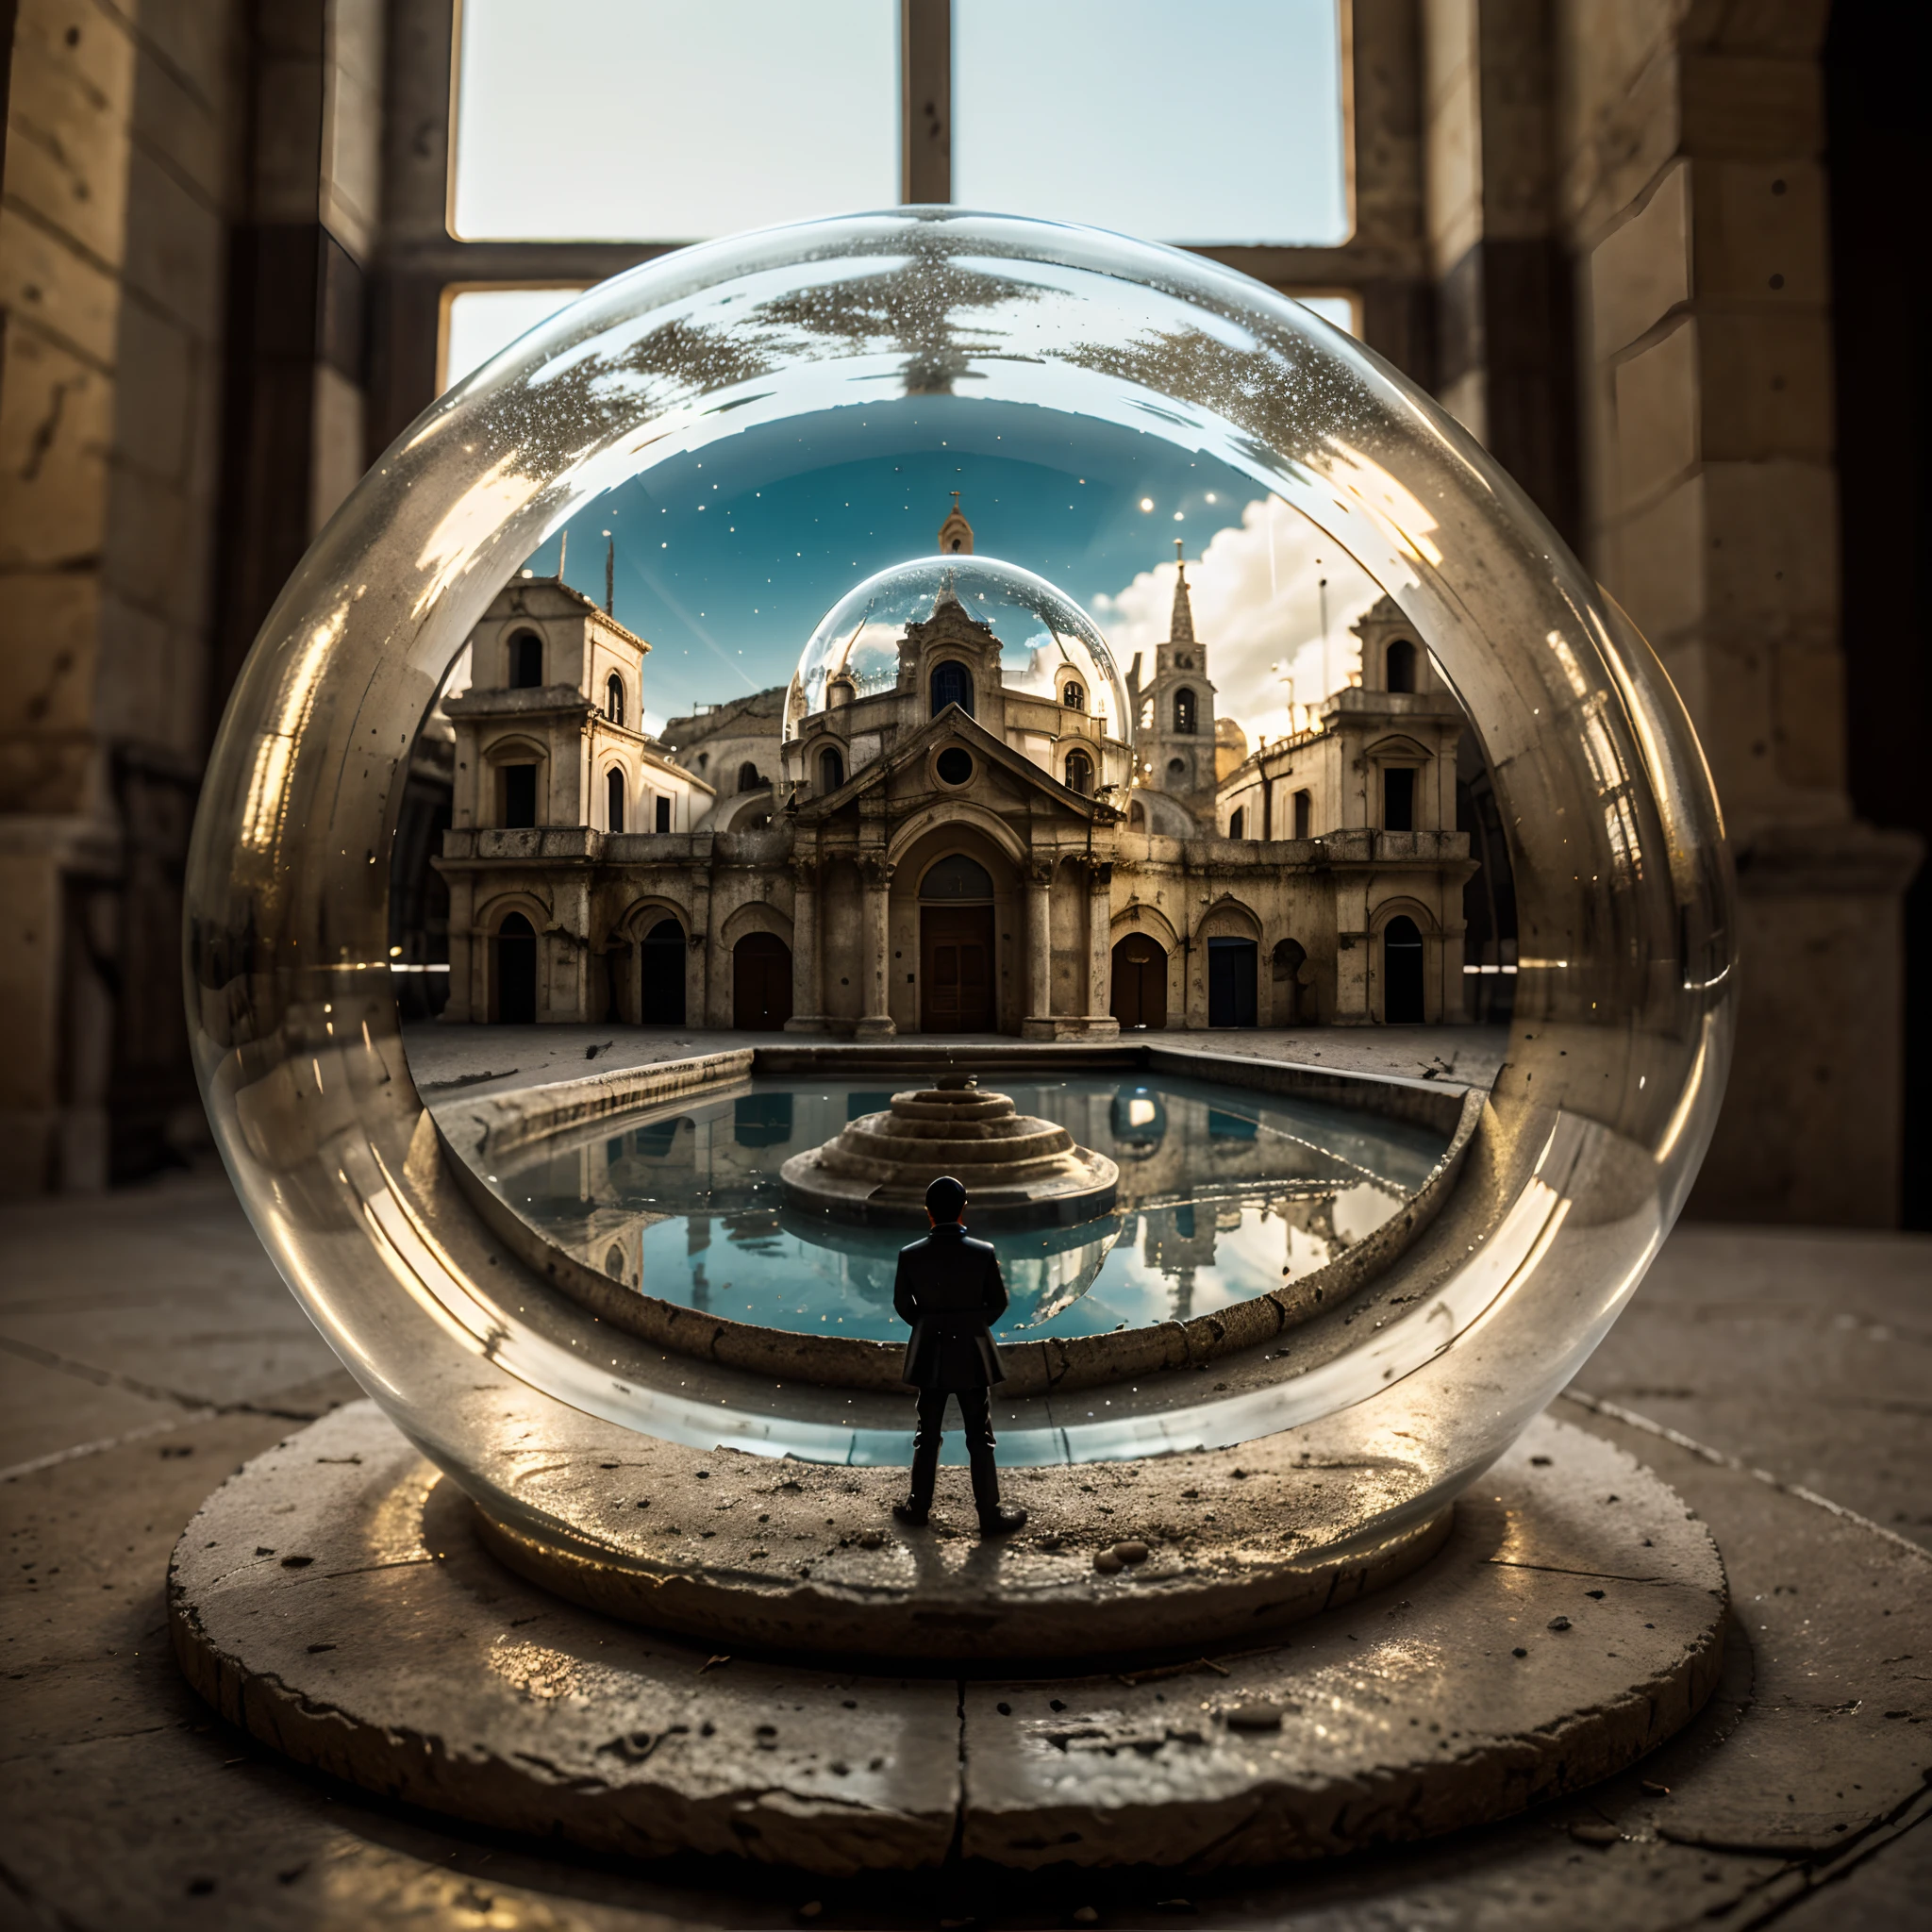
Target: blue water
{"x": 1224, "y": 1194}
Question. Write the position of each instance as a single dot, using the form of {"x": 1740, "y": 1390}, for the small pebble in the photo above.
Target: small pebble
{"x": 1108, "y": 1563}
{"x": 1132, "y": 1551}
{"x": 1086, "y": 1915}
{"x": 1595, "y": 1833}
{"x": 811, "y": 1908}
{"x": 1253, "y": 1717}
{"x": 1519, "y": 1652}
{"x": 1560, "y": 1622}
{"x": 870, "y": 1540}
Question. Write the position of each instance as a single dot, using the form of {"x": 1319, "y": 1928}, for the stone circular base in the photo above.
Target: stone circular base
{"x": 333, "y": 1598}
{"x": 1084, "y": 1187}
{"x": 1018, "y": 1171}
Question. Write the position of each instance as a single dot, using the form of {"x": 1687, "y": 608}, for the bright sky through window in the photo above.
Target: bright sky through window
{"x": 1216, "y": 122}
{"x": 663, "y": 121}
{"x": 482, "y": 320}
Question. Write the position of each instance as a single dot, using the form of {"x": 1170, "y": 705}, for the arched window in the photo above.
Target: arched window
{"x": 952, "y": 684}
{"x": 1176, "y": 768}
{"x": 1137, "y": 817}
{"x": 1079, "y": 772}
{"x": 1184, "y": 713}
{"x": 613, "y": 699}
{"x": 1237, "y": 823}
{"x": 1304, "y": 814}
{"x": 1400, "y": 664}
{"x": 748, "y": 779}
{"x": 831, "y": 771}
{"x": 957, "y": 877}
{"x": 613, "y": 800}
{"x": 1074, "y": 697}
{"x": 525, "y": 660}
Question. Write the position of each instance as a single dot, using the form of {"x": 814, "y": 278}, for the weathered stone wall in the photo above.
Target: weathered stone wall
{"x": 120, "y": 180}
{"x": 1690, "y": 191}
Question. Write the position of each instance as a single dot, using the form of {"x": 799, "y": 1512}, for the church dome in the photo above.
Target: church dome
{"x": 1046, "y": 641}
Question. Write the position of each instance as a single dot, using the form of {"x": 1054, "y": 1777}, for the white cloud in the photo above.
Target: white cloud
{"x": 1256, "y": 594}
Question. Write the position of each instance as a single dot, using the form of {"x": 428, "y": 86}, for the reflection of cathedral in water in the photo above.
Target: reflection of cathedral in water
{"x": 1220, "y": 1198}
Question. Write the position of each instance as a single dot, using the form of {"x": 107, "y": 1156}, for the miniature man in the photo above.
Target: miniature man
{"x": 950, "y": 1291}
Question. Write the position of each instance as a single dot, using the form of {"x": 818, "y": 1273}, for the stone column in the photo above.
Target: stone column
{"x": 875, "y": 1020}
{"x": 1354, "y": 956}
{"x": 807, "y": 1014}
{"x": 1711, "y": 512}
{"x": 1038, "y": 1022}
{"x": 1100, "y": 1019}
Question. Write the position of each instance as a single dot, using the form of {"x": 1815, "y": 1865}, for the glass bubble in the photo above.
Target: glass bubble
{"x": 1572, "y": 1168}
{"x": 1047, "y": 642}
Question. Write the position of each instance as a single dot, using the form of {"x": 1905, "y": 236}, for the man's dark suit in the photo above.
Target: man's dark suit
{"x": 950, "y": 1291}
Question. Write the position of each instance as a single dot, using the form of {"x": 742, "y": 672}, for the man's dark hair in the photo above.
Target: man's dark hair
{"x": 945, "y": 1199}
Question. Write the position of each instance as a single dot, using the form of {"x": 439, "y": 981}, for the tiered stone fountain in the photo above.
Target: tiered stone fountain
{"x": 1018, "y": 1171}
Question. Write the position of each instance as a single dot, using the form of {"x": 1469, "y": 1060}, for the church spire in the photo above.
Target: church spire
{"x": 1181, "y": 628}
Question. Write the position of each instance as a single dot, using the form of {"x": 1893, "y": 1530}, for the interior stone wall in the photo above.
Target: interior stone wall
{"x": 122, "y": 178}
{"x": 1692, "y": 196}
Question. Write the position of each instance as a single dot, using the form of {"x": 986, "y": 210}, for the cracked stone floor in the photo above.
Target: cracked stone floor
{"x": 1781, "y": 1380}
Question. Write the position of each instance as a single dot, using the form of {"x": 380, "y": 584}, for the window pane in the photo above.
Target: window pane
{"x": 482, "y": 320}
{"x": 1215, "y": 121}
{"x": 1336, "y": 309}
{"x": 663, "y": 121}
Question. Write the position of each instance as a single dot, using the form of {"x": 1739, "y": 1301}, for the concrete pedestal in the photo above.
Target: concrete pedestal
{"x": 333, "y": 1598}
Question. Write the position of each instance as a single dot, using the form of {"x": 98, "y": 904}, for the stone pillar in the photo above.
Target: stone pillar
{"x": 1703, "y": 283}
{"x": 875, "y": 1020}
{"x": 807, "y": 1007}
{"x": 1101, "y": 1022}
{"x": 1038, "y": 1022}
{"x": 1354, "y": 956}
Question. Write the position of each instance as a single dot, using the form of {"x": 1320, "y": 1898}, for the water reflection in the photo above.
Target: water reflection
{"x": 1224, "y": 1194}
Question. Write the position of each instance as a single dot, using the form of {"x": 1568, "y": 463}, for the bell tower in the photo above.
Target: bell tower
{"x": 1173, "y": 710}
{"x": 956, "y": 533}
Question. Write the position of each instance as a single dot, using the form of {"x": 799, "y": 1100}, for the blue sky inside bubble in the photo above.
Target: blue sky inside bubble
{"x": 726, "y": 560}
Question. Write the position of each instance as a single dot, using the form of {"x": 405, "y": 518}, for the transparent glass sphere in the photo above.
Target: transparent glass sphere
{"x": 1047, "y": 646}
{"x": 931, "y": 325}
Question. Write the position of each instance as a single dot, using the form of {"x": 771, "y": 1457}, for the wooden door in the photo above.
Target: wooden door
{"x": 1140, "y": 982}
{"x": 956, "y": 969}
{"x": 761, "y": 982}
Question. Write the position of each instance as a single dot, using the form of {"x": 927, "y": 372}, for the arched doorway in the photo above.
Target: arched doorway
{"x": 761, "y": 982}
{"x": 1291, "y": 956}
{"x": 1401, "y": 972}
{"x": 515, "y": 975}
{"x": 1140, "y": 982}
{"x": 661, "y": 976}
{"x": 955, "y": 947}
{"x": 1231, "y": 975}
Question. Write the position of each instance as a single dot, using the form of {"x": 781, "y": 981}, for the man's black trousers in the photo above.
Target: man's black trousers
{"x": 979, "y": 1446}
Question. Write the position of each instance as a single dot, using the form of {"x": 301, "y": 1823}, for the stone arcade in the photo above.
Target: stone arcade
{"x": 949, "y": 853}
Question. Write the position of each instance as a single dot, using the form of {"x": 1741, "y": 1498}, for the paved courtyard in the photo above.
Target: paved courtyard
{"x": 1782, "y": 1381}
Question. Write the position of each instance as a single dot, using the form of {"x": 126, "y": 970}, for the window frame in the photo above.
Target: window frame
{"x": 421, "y": 266}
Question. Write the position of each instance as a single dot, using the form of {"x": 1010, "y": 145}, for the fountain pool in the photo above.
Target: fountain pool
{"x": 1225, "y": 1193}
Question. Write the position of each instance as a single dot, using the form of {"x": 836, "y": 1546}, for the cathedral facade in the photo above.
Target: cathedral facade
{"x": 942, "y": 851}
